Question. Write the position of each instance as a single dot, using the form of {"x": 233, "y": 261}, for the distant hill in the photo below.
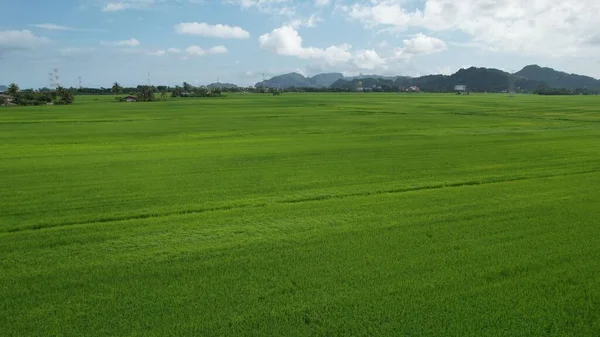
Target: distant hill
{"x": 285, "y": 81}
{"x": 222, "y": 85}
{"x": 489, "y": 80}
{"x": 3, "y": 88}
{"x": 299, "y": 81}
{"x": 362, "y": 77}
{"x": 558, "y": 79}
{"x": 476, "y": 80}
{"x": 324, "y": 80}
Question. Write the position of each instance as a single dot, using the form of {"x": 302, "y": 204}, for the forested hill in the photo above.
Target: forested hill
{"x": 529, "y": 79}
{"x": 299, "y": 81}
{"x": 476, "y": 79}
{"x": 558, "y": 79}
{"x": 222, "y": 85}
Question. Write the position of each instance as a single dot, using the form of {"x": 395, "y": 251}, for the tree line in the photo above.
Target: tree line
{"x": 41, "y": 97}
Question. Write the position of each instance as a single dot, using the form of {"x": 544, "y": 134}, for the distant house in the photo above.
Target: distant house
{"x": 414, "y": 88}
{"x": 130, "y": 99}
{"x": 461, "y": 89}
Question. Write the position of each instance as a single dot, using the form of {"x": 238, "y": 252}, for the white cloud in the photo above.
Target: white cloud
{"x": 121, "y": 5}
{"x": 163, "y": 52}
{"x": 286, "y": 41}
{"x": 20, "y": 39}
{"x": 197, "y": 51}
{"x": 115, "y": 7}
{"x": 261, "y": 4}
{"x": 204, "y": 29}
{"x": 322, "y": 3}
{"x": 381, "y": 12}
{"x": 51, "y": 26}
{"x": 279, "y": 8}
{"x": 70, "y": 51}
{"x": 310, "y": 22}
{"x": 368, "y": 59}
{"x": 125, "y": 43}
{"x": 160, "y": 52}
{"x": 545, "y": 27}
{"x": 128, "y": 43}
{"x": 218, "y": 50}
{"x": 420, "y": 44}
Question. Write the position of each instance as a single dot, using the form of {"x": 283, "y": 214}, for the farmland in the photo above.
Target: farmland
{"x": 302, "y": 215}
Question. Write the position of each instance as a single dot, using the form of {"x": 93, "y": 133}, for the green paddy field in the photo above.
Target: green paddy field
{"x": 302, "y": 215}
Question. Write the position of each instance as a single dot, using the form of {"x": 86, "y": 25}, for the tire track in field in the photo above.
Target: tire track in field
{"x": 135, "y": 217}
{"x": 432, "y": 187}
{"x": 301, "y": 200}
{"x": 48, "y": 121}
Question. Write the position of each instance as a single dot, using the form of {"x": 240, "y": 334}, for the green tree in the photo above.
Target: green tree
{"x": 145, "y": 93}
{"x": 201, "y": 92}
{"x": 116, "y": 88}
{"x": 187, "y": 87}
{"x": 65, "y": 96}
{"x": 13, "y": 89}
{"x": 177, "y": 91}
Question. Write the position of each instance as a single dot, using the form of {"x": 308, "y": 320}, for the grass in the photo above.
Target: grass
{"x": 302, "y": 215}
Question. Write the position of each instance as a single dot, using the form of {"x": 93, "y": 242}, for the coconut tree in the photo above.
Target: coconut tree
{"x": 187, "y": 87}
{"x": 116, "y": 88}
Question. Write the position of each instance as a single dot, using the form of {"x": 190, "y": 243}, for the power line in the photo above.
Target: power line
{"x": 54, "y": 79}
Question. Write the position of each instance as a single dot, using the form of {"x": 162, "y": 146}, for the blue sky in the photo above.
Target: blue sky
{"x": 238, "y": 40}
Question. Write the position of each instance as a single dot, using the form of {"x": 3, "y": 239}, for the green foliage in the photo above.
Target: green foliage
{"x": 13, "y": 89}
{"x": 64, "y": 96}
{"x": 302, "y": 215}
{"x": 146, "y": 93}
{"x": 196, "y": 91}
{"x": 30, "y": 97}
{"x": 548, "y": 91}
{"x": 177, "y": 91}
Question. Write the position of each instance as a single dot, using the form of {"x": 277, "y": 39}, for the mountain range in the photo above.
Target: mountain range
{"x": 299, "y": 81}
{"x": 3, "y": 88}
{"x": 476, "y": 80}
{"x": 222, "y": 85}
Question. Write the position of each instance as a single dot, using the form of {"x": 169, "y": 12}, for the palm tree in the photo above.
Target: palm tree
{"x": 116, "y": 88}
{"x": 13, "y": 89}
{"x": 187, "y": 87}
